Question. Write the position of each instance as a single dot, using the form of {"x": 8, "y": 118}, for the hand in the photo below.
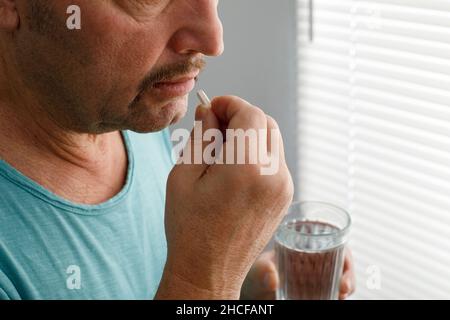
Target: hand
{"x": 262, "y": 281}
{"x": 219, "y": 217}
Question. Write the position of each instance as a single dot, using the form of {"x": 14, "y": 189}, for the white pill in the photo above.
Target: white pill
{"x": 204, "y": 100}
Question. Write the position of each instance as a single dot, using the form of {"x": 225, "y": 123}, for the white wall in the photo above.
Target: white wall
{"x": 258, "y": 63}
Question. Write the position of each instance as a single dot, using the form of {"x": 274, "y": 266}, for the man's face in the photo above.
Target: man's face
{"x": 130, "y": 66}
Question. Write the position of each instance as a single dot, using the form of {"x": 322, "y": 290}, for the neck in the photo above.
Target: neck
{"x": 83, "y": 168}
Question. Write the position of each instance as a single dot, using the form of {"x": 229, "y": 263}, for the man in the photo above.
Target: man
{"x": 86, "y": 159}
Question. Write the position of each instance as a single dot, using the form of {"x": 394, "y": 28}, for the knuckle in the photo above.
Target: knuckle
{"x": 258, "y": 113}
{"x": 235, "y": 99}
{"x": 285, "y": 187}
{"x": 272, "y": 122}
{"x": 290, "y": 185}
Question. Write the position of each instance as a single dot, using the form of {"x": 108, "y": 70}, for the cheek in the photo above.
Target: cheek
{"x": 133, "y": 61}
{"x": 137, "y": 55}
{"x": 132, "y": 54}
{"x": 125, "y": 51}
{"x": 124, "y": 42}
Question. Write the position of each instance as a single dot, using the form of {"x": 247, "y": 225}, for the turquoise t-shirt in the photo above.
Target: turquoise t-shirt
{"x": 51, "y": 248}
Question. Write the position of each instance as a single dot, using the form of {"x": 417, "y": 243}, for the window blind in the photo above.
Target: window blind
{"x": 374, "y": 135}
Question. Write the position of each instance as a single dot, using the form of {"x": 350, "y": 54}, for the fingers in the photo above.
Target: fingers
{"x": 210, "y": 132}
{"x": 267, "y": 149}
{"x": 347, "y": 286}
{"x": 251, "y": 137}
{"x": 237, "y": 113}
{"x": 199, "y": 152}
{"x": 244, "y": 124}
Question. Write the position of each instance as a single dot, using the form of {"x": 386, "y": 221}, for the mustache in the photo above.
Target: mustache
{"x": 168, "y": 72}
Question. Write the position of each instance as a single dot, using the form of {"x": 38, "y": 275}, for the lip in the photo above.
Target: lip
{"x": 176, "y": 87}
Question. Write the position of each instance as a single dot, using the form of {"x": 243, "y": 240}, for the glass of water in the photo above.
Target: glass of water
{"x": 309, "y": 247}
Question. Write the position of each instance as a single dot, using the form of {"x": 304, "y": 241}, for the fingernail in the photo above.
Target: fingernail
{"x": 200, "y": 113}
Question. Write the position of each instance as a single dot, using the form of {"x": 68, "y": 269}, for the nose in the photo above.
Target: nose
{"x": 199, "y": 29}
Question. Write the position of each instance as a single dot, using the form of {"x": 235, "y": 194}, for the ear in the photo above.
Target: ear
{"x": 9, "y": 17}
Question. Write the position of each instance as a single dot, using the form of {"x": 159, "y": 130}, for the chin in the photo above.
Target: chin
{"x": 175, "y": 111}
{"x": 177, "y": 117}
{"x": 156, "y": 119}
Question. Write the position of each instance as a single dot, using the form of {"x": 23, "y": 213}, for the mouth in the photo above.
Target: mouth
{"x": 176, "y": 87}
